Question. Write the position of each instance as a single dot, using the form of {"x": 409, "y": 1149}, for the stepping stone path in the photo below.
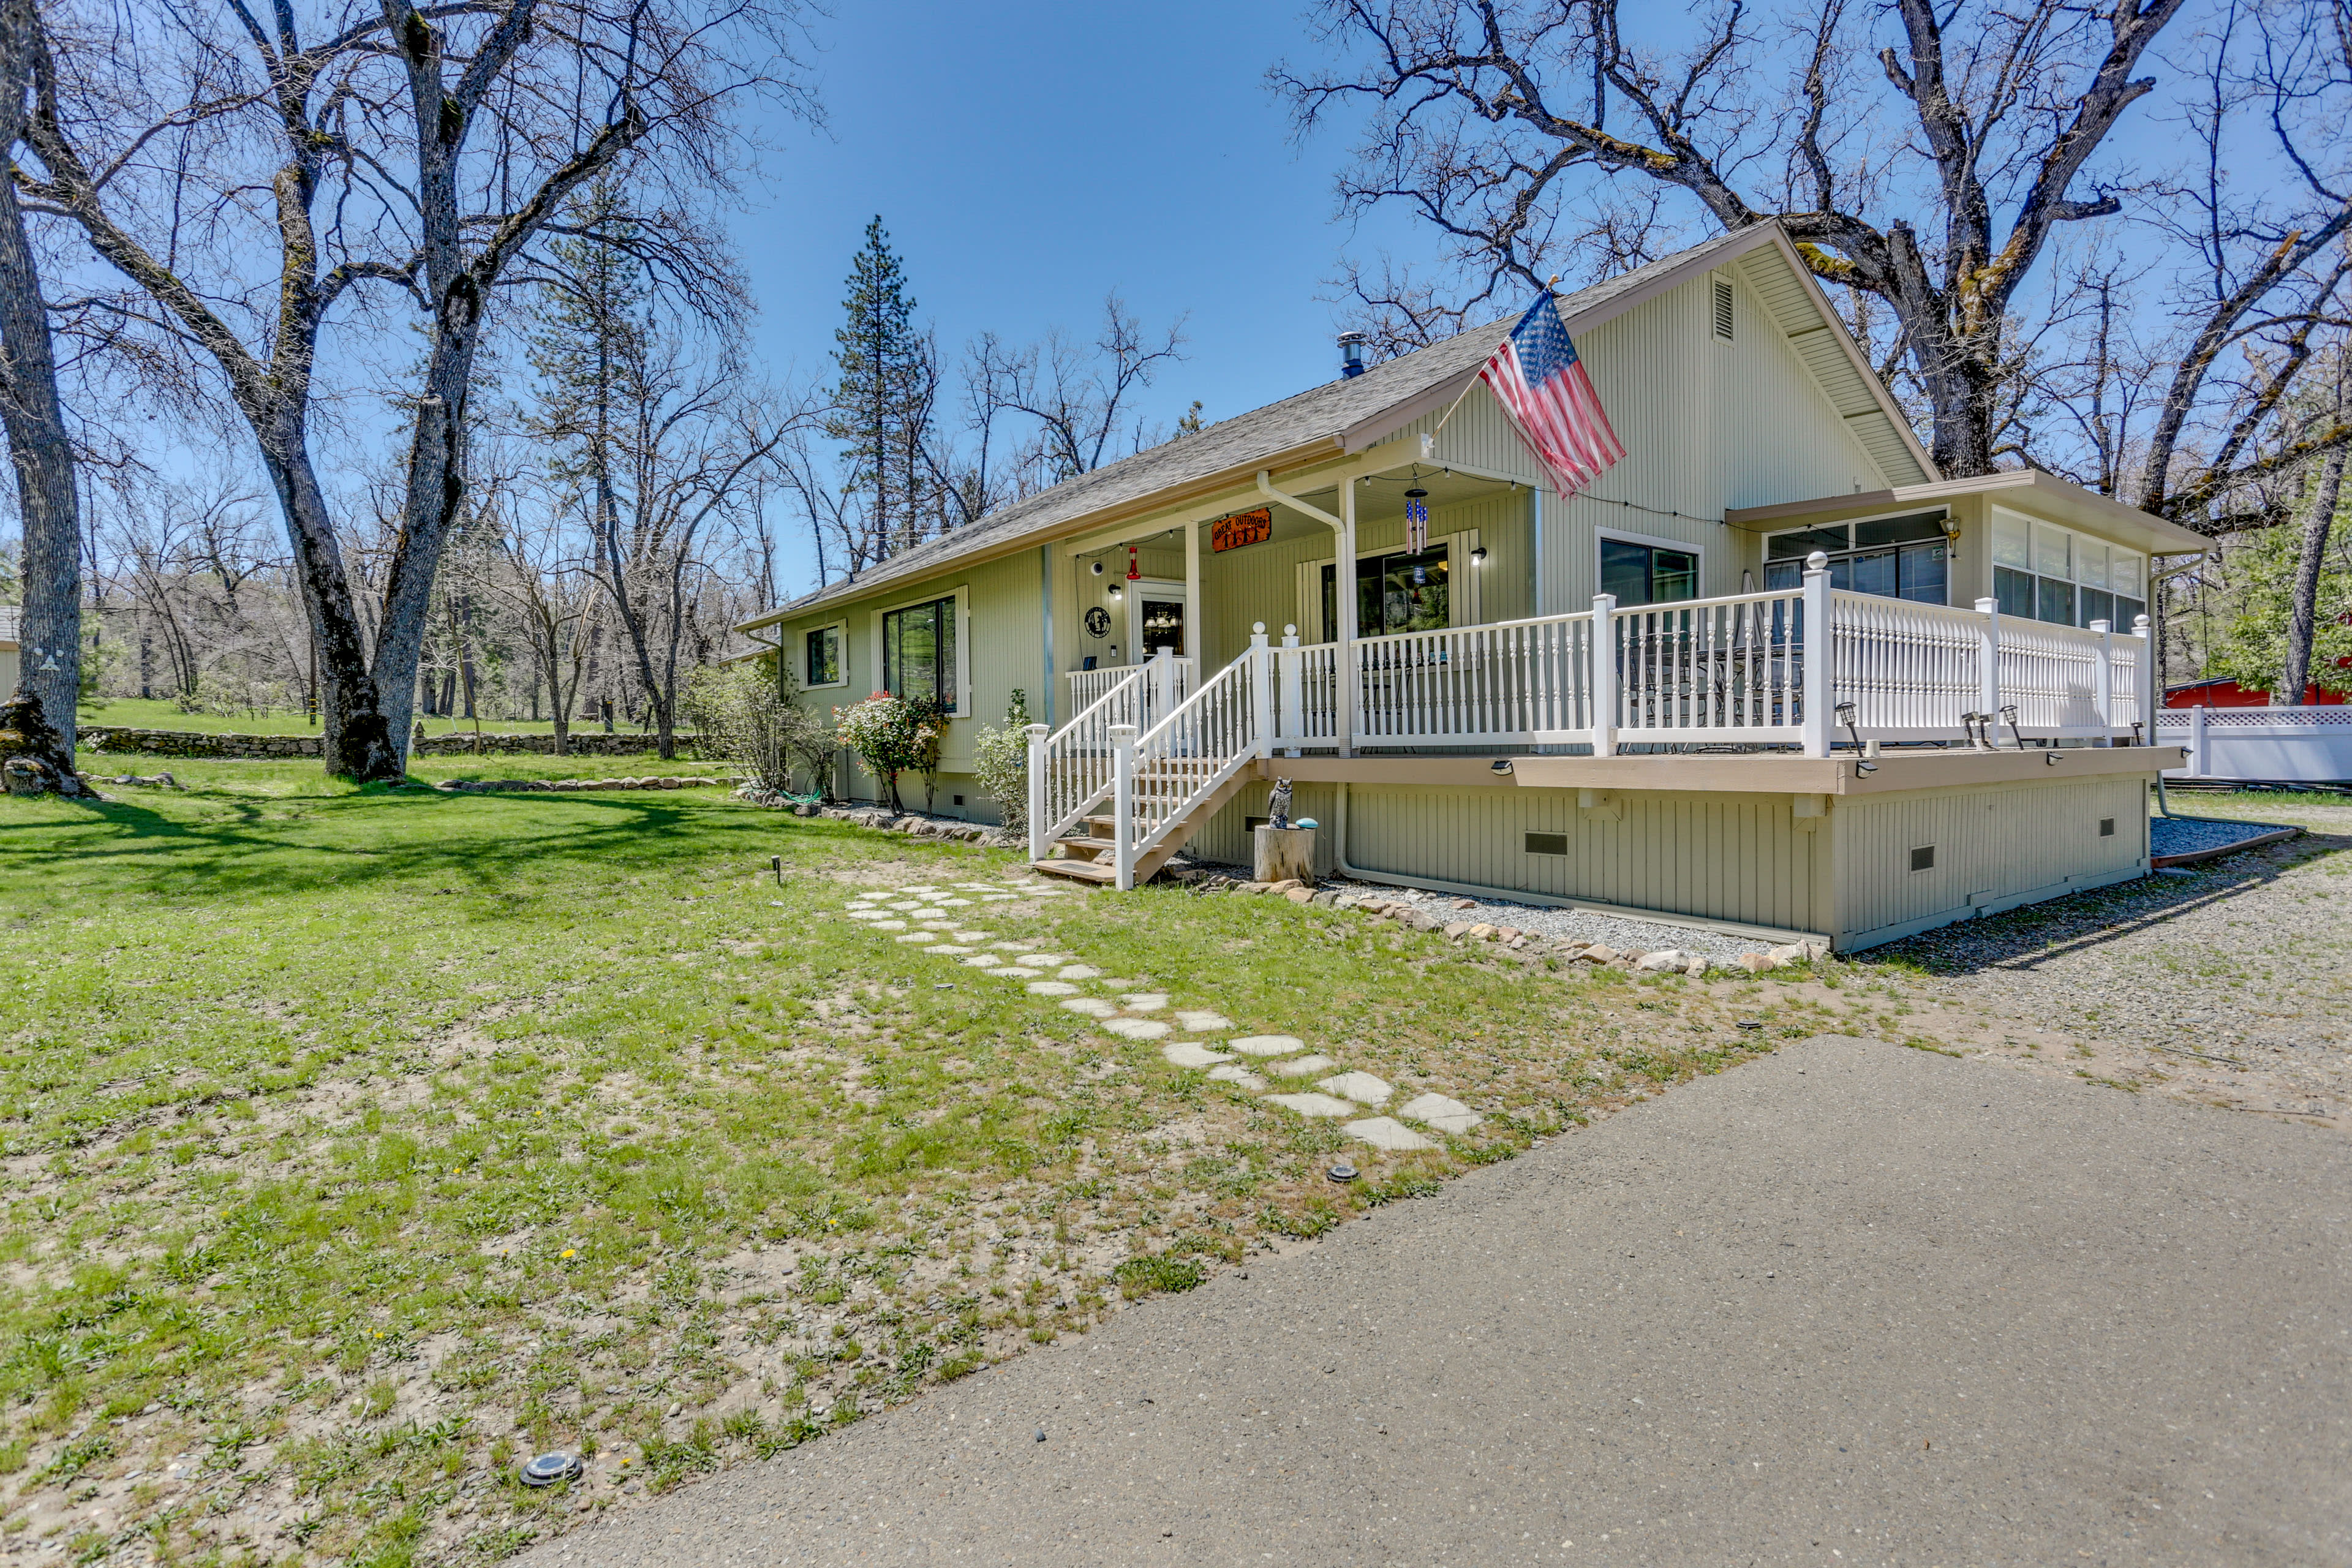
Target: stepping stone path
{"x": 1337, "y": 1095}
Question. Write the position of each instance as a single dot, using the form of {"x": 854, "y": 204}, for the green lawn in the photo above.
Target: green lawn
{"x": 361, "y": 1141}
{"x": 154, "y": 714}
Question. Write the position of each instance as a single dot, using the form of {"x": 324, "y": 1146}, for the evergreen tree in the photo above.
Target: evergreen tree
{"x": 883, "y": 408}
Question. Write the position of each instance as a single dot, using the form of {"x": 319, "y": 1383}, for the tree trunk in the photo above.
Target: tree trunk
{"x": 2303, "y": 619}
{"x": 49, "y": 630}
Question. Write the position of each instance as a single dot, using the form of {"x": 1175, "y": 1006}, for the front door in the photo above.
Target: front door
{"x": 1158, "y": 618}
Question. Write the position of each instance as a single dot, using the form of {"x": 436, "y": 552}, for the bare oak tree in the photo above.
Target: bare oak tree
{"x": 417, "y": 153}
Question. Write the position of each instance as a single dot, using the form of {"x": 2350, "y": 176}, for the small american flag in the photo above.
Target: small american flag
{"x": 1536, "y": 375}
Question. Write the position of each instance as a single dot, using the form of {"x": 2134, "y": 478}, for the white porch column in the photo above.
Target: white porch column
{"x": 1819, "y": 694}
{"x": 1989, "y": 669}
{"x": 1602, "y": 682}
{"x": 2149, "y": 697}
{"x": 1261, "y": 692}
{"x": 1039, "y": 844}
{"x": 1193, "y": 648}
{"x": 2103, "y": 688}
{"x": 1343, "y": 593}
{"x": 1294, "y": 689}
{"x": 1122, "y": 808}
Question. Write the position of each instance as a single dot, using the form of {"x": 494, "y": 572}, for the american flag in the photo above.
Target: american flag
{"x": 1536, "y": 375}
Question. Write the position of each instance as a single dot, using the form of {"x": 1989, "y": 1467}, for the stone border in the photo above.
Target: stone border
{"x": 472, "y": 786}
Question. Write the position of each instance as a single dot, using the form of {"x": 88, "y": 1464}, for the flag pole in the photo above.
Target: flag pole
{"x": 1440, "y": 430}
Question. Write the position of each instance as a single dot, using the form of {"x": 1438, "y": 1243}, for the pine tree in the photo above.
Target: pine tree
{"x": 883, "y": 405}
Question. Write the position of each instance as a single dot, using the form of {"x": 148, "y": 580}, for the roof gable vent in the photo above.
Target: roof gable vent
{"x": 1723, "y": 309}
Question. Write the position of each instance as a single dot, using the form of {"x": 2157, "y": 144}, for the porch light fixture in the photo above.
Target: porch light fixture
{"x": 1478, "y": 556}
{"x": 1500, "y": 767}
{"x": 1114, "y": 591}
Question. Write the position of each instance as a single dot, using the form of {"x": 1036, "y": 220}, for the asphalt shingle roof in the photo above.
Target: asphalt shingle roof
{"x": 1318, "y": 412}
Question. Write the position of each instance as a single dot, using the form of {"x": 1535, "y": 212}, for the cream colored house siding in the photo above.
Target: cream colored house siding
{"x": 1002, "y": 648}
{"x": 9, "y": 663}
{"x": 1996, "y": 847}
{"x": 1479, "y": 437}
{"x": 1707, "y": 425}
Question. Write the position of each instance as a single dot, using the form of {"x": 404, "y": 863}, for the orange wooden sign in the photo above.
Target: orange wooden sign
{"x": 1242, "y": 528}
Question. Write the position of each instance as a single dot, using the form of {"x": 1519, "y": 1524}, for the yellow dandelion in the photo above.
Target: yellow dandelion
{"x": 569, "y": 1250}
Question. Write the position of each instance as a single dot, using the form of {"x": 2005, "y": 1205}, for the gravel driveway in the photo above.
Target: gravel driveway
{"x": 2229, "y": 982}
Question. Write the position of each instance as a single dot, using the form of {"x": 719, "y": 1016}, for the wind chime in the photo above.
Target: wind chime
{"x": 1416, "y": 519}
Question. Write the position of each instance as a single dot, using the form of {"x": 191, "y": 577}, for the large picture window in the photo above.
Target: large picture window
{"x": 918, "y": 652}
{"x": 1894, "y": 557}
{"x": 1647, "y": 573}
{"x": 1406, "y": 593}
{"x": 823, "y": 667}
{"x": 2044, "y": 573}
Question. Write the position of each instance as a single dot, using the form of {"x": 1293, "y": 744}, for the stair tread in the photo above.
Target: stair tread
{"x": 1077, "y": 870}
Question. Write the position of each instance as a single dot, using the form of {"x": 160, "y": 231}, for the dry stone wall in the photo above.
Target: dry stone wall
{"x": 196, "y": 744}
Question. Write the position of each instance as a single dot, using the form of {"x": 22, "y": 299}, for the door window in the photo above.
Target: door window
{"x": 1163, "y": 627}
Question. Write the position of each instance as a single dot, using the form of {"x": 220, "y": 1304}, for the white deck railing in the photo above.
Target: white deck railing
{"x": 1808, "y": 667}
{"x": 1088, "y": 686}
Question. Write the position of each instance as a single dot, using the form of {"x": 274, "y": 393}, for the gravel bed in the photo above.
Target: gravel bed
{"x": 1620, "y": 933}
{"x": 2189, "y": 834}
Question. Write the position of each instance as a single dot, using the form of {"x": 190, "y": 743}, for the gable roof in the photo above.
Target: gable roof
{"x": 1355, "y": 412}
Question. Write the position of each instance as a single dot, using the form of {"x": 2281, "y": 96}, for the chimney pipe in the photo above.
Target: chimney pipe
{"x": 1351, "y": 353}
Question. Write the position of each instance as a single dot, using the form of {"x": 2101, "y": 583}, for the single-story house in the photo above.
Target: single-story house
{"x": 1771, "y": 671}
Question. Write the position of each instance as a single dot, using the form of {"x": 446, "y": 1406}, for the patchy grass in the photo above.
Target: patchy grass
{"x": 155, "y": 714}
{"x": 363, "y": 1143}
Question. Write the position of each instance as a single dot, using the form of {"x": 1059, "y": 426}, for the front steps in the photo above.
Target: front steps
{"x": 1089, "y": 857}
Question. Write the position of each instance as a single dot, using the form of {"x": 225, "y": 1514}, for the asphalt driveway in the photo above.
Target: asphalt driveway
{"x": 1852, "y": 1304}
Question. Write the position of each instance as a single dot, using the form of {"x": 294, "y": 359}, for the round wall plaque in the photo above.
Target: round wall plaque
{"x": 1097, "y": 622}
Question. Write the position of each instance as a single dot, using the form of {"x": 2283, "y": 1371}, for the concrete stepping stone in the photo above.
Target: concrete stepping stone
{"x": 916, "y": 888}
{"x": 1303, "y": 1066}
{"x": 1194, "y": 1021}
{"x": 978, "y": 888}
{"x": 1079, "y": 972}
{"x": 1135, "y": 1028}
{"x": 1386, "y": 1133}
{"x": 1191, "y": 1054}
{"x": 1241, "y": 1076}
{"x": 985, "y": 961}
{"x": 918, "y": 936}
{"x": 950, "y": 949}
{"x": 890, "y": 925}
{"x": 1311, "y": 1104}
{"x": 1266, "y": 1045}
{"x": 1093, "y": 1007}
{"x": 1446, "y": 1115}
{"x": 1359, "y": 1086}
{"x": 972, "y": 936}
{"x": 1052, "y": 988}
{"x": 1050, "y": 959}
{"x": 953, "y": 903}
{"x": 864, "y": 914}
{"x": 1144, "y": 1001}
{"x": 1013, "y": 972}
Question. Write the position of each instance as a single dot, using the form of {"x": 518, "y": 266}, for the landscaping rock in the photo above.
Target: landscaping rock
{"x": 1599, "y": 952}
{"x": 1300, "y": 894}
{"x": 1755, "y": 963}
{"x": 1456, "y": 929}
{"x": 1797, "y": 952}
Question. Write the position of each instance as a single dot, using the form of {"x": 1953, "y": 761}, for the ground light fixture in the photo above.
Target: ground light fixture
{"x": 1342, "y": 1172}
{"x": 549, "y": 1468}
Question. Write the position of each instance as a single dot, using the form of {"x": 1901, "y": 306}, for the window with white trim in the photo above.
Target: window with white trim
{"x": 918, "y": 652}
{"x": 820, "y": 657}
{"x": 2045, "y": 572}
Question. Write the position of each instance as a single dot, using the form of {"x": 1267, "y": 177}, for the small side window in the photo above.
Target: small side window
{"x": 1923, "y": 858}
{"x": 1547, "y": 842}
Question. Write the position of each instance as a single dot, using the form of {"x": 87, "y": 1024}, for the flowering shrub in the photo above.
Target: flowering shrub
{"x": 1000, "y": 760}
{"x": 892, "y": 735}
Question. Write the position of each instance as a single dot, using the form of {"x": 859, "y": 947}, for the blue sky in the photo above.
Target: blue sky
{"x": 1029, "y": 157}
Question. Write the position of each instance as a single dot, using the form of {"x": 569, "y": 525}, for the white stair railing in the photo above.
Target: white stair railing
{"x": 1162, "y": 775}
{"x": 1071, "y": 769}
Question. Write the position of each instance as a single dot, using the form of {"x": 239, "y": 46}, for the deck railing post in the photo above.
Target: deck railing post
{"x": 1260, "y": 693}
{"x": 1819, "y": 699}
{"x": 1040, "y": 814}
{"x": 1601, "y": 679}
{"x": 1989, "y": 665}
{"x": 1122, "y": 804}
{"x": 1293, "y": 685}
{"x": 2103, "y": 687}
{"x": 2145, "y": 629}
{"x": 1163, "y": 682}
{"x": 2197, "y": 769}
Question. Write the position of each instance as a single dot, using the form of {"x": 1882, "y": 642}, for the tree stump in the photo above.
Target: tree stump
{"x": 1284, "y": 853}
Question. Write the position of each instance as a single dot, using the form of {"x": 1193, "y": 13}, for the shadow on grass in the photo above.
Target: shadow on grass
{"x": 232, "y": 846}
{"x": 2024, "y": 938}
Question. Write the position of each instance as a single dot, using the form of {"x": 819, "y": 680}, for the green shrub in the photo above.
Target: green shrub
{"x": 1139, "y": 1277}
